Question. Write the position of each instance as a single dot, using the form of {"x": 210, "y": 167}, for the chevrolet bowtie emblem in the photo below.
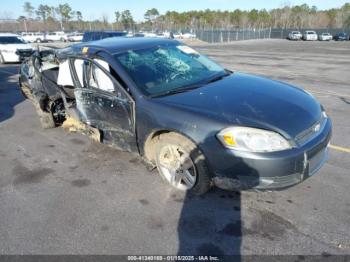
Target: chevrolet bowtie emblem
{"x": 317, "y": 128}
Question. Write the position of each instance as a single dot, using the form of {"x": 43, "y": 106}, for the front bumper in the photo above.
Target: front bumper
{"x": 274, "y": 170}
{"x": 295, "y": 37}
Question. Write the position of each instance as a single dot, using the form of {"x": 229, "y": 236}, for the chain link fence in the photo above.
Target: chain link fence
{"x": 223, "y": 36}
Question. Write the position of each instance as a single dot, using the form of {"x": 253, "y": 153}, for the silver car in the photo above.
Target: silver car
{"x": 310, "y": 36}
{"x": 325, "y": 37}
{"x": 295, "y": 35}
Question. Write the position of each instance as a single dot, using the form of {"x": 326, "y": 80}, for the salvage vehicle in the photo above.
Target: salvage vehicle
{"x": 10, "y": 46}
{"x": 75, "y": 37}
{"x": 56, "y": 36}
{"x": 341, "y": 37}
{"x": 310, "y": 36}
{"x": 325, "y": 37}
{"x": 31, "y": 37}
{"x": 294, "y": 35}
{"x": 196, "y": 122}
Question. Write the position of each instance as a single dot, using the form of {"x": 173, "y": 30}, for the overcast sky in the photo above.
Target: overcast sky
{"x": 93, "y": 9}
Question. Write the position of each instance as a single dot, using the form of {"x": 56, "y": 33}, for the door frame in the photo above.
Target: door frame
{"x": 77, "y": 84}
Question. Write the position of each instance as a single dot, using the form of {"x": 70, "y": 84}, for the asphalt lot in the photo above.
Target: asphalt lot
{"x": 61, "y": 193}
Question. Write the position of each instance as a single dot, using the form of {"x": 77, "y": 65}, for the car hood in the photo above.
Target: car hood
{"x": 14, "y": 47}
{"x": 247, "y": 100}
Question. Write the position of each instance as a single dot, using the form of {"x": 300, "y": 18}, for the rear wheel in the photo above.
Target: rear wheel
{"x": 46, "y": 118}
{"x": 38, "y": 40}
{"x": 181, "y": 164}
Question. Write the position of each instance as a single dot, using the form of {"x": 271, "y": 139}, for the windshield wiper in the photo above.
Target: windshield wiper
{"x": 215, "y": 78}
{"x": 218, "y": 77}
{"x": 178, "y": 90}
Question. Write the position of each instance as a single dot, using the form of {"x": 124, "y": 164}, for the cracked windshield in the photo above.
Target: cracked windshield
{"x": 163, "y": 69}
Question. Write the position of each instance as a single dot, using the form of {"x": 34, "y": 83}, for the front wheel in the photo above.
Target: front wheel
{"x": 181, "y": 164}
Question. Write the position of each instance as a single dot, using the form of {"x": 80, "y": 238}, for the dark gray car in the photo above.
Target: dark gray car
{"x": 197, "y": 122}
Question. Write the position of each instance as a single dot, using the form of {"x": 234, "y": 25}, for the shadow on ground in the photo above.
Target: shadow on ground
{"x": 10, "y": 94}
{"x": 211, "y": 224}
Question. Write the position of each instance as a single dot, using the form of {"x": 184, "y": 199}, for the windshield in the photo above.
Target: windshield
{"x": 10, "y": 40}
{"x": 164, "y": 69}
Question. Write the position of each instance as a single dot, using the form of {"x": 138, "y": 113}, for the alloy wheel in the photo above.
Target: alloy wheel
{"x": 177, "y": 167}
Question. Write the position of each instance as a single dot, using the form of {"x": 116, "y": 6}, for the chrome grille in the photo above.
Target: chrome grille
{"x": 311, "y": 132}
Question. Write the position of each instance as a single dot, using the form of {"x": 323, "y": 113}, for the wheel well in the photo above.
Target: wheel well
{"x": 148, "y": 147}
{"x": 58, "y": 110}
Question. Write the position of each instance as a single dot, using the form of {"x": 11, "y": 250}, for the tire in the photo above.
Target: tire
{"x": 196, "y": 179}
{"x": 46, "y": 118}
{"x": 38, "y": 40}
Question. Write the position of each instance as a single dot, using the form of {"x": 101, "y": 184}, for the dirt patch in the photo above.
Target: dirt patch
{"x": 76, "y": 126}
{"x": 81, "y": 182}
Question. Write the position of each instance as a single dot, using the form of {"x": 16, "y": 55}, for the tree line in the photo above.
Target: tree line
{"x": 63, "y": 17}
{"x": 298, "y": 17}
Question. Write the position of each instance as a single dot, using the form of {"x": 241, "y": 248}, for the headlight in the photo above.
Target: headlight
{"x": 252, "y": 139}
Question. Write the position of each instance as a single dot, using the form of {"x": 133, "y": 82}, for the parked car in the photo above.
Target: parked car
{"x": 310, "y": 36}
{"x": 98, "y": 35}
{"x": 75, "y": 37}
{"x": 197, "y": 122}
{"x": 56, "y": 36}
{"x": 139, "y": 35}
{"x": 150, "y": 34}
{"x": 33, "y": 37}
{"x": 341, "y": 37}
{"x": 325, "y": 37}
{"x": 188, "y": 36}
{"x": 295, "y": 35}
{"x": 10, "y": 46}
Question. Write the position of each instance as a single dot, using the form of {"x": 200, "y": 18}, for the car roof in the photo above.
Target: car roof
{"x": 119, "y": 44}
{"x": 8, "y": 34}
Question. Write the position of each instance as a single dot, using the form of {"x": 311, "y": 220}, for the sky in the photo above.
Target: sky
{"x": 95, "y": 9}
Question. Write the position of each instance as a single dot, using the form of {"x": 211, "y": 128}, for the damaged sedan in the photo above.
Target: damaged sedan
{"x": 196, "y": 122}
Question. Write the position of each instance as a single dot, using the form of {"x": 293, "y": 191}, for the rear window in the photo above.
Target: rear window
{"x": 10, "y": 40}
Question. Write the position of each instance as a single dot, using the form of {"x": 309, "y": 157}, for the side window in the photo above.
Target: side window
{"x": 78, "y": 65}
{"x": 98, "y": 78}
{"x": 89, "y": 74}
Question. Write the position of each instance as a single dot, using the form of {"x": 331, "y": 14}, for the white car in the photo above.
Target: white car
{"x": 9, "y": 45}
{"x": 56, "y": 36}
{"x": 33, "y": 37}
{"x": 188, "y": 36}
{"x": 295, "y": 35}
{"x": 325, "y": 37}
{"x": 184, "y": 36}
{"x": 310, "y": 36}
{"x": 75, "y": 37}
{"x": 150, "y": 34}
